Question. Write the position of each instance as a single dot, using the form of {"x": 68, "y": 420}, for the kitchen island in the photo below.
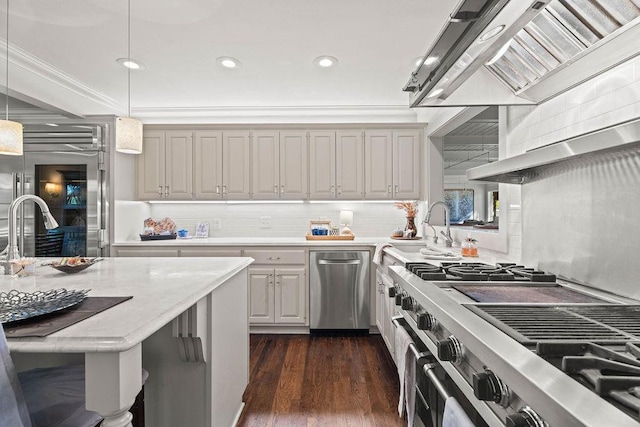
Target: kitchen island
{"x": 186, "y": 324}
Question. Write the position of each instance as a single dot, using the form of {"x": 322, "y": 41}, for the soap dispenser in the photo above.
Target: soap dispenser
{"x": 469, "y": 248}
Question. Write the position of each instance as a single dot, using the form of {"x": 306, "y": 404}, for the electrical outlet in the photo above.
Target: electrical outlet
{"x": 265, "y": 222}
{"x": 217, "y": 224}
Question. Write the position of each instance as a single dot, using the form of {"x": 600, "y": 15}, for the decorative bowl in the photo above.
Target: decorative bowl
{"x": 16, "y": 305}
{"x": 75, "y": 268}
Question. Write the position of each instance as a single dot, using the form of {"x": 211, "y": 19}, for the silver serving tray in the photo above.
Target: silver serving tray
{"x": 16, "y": 305}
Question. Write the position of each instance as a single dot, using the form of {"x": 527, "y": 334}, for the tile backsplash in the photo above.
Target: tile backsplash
{"x": 286, "y": 219}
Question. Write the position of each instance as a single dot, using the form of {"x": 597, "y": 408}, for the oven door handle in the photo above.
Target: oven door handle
{"x": 429, "y": 371}
{"x": 420, "y": 356}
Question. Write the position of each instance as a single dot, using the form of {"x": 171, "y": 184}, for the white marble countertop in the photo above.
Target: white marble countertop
{"x": 485, "y": 256}
{"x": 162, "y": 288}
{"x": 264, "y": 241}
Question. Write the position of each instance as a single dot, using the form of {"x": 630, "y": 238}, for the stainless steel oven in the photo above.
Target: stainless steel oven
{"x": 432, "y": 385}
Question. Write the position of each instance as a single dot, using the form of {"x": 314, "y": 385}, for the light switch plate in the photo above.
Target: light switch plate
{"x": 265, "y": 222}
{"x": 217, "y": 224}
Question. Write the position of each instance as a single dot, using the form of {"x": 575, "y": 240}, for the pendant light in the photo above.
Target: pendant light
{"x": 128, "y": 129}
{"x": 10, "y": 132}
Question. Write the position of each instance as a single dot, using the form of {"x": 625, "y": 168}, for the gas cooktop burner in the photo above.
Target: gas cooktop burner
{"x": 611, "y": 373}
{"x": 476, "y": 271}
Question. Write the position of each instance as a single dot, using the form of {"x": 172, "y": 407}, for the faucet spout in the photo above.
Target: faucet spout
{"x": 447, "y": 221}
{"x": 13, "y": 252}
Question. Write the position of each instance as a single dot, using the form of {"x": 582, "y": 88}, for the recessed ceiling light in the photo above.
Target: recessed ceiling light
{"x": 435, "y": 93}
{"x": 228, "y": 62}
{"x": 325, "y": 61}
{"x": 430, "y": 60}
{"x": 491, "y": 33}
{"x": 51, "y": 124}
{"x": 131, "y": 63}
{"x": 499, "y": 54}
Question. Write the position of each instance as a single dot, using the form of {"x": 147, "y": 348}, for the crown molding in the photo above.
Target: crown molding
{"x": 42, "y": 69}
{"x": 296, "y": 114}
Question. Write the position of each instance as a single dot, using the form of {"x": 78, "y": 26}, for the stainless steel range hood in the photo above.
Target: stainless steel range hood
{"x": 475, "y": 32}
{"x": 518, "y": 169}
{"x": 544, "y": 49}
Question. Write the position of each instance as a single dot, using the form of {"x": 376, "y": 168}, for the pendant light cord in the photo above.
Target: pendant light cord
{"x": 128, "y": 57}
{"x": 6, "y": 105}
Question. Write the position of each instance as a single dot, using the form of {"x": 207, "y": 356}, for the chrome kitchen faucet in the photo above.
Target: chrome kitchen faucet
{"x": 447, "y": 222}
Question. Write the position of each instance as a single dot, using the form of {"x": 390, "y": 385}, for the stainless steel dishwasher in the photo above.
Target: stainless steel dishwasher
{"x": 340, "y": 290}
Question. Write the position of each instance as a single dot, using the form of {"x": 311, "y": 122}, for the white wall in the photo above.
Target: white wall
{"x": 608, "y": 99}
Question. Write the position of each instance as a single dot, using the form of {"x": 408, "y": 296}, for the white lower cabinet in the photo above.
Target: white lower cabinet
{"x": 277, "y": 295}
{"x": 385, "y": 310}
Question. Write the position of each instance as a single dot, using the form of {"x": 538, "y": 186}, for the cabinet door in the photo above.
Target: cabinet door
{"x": 406, "y": 164}
{"x": 378, "y": 166}
{"x": 261, "y": 295}
{"x": 322, "y": 165}
{"x": 150, "y": 166}
{"x": 294, "y": 183}
{"x": 265, "y": 168}
{"x": 236, "y": 162}
{"x": 290, "y": 295}
{"x": 178, "y": 165}
{"x": 208, "y": 165}
{"x": 349, "y": 165}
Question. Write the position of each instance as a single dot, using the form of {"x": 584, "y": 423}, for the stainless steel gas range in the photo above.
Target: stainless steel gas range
{"x": 523, "y": 348}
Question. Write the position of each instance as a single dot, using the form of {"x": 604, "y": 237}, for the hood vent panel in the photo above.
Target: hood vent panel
{"x": 563, "y": 30}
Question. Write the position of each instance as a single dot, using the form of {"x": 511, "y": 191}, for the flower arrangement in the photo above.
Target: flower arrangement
{"x": 411, "y": 208}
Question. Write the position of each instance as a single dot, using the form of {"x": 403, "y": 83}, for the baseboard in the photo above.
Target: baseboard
{"x": 302, "y": 330}
{"x": 238, "y": 415}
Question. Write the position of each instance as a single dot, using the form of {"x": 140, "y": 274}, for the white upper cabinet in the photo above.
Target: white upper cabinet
{"x": 378, "y": 150}
{"x": 294, "y": 170}
{"x": 336, "y": 165}
{"x": 406, "y": 164}
{"x": 279, "y": 165}
{"x": 322, "y": 165}
{"x": 236, "y": 164}
{"x": 150, "y": 166}
{"x": 207, "y": 161}
{"x": 392, "y": 164}
{"x": 266, "y": 165}
{"x": 165, "y": 169}
{"x": 349, "y": 165}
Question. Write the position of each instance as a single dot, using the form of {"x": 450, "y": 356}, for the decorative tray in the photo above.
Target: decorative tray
{"x": 329, "y": 237}
{"x": 158, "y": 236}
{"x": 16, "y": 305}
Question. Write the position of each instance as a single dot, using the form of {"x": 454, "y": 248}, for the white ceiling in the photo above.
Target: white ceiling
{"x": 74, "y": 45}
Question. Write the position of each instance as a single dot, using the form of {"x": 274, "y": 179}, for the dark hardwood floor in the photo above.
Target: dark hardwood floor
{"x": 301, "y": 380}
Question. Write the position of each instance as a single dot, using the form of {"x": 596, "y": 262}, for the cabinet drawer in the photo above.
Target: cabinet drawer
{"x": 263, "y": 256}
{"x": 208, "y": 252}
{"x": 145, "y": 252}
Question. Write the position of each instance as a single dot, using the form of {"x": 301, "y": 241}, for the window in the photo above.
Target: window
{"x": 460, "y": 204}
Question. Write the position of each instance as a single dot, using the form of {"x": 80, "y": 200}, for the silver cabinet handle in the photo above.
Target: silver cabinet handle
{"x": 282, "y": 190}
{"x": 396, "y": 188}
{"x": 270, "y": 280}
{"x": 218, "y": 190}
{"x": 224, "y": 190}
{"x": 331, "y": 190}
{"x": 166, "y": 190}
{"x": 274, "y": 259}
{"x": 339, "y": 189}
{"x": 389, "y": 190}
{"x": 275, "y": 190}
{"x": 160, "y": 189}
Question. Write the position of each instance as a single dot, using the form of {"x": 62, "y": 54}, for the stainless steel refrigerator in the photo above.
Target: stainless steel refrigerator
{"x": 67, "y": 166}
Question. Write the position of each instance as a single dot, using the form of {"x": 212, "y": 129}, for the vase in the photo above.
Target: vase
{"x": 410, "y": 230}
